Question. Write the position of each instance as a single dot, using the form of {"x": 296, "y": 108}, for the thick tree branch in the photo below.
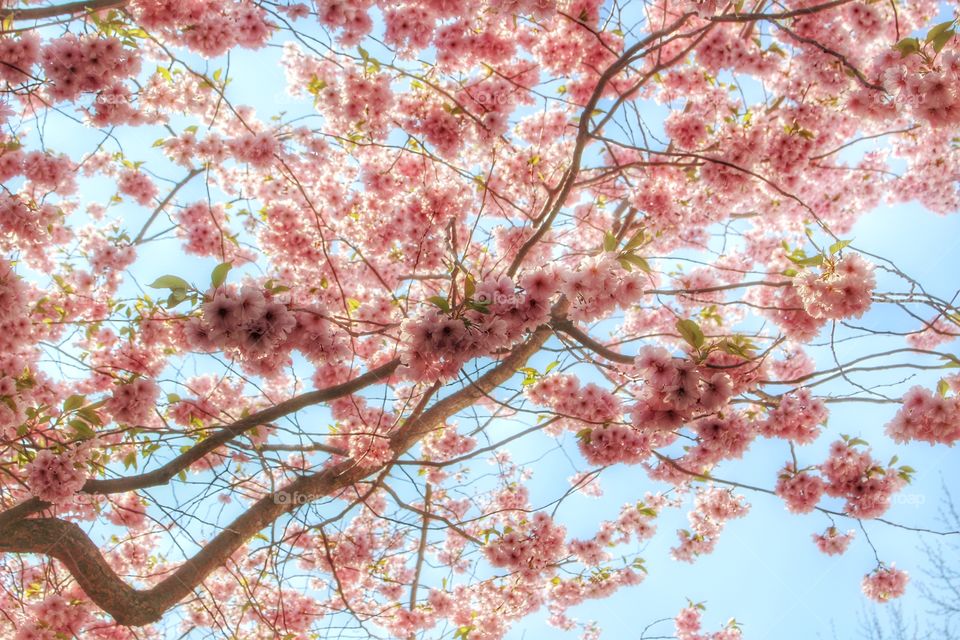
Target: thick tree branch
{"x": 53, "y": 11}
{"x": 169, "y": 470}
{"x": 128, "y": 606}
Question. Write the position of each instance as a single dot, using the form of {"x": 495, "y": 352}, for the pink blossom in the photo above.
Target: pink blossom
{"x": 885, "y": 583}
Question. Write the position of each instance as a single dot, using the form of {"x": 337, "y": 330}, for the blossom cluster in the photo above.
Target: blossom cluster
{"x": 53, "y": 617}
{"x": 209, "y": 29}
{"x": 854, "y": 475}
{"x": 81, "y": 64}
{"x": 137, "y": 185}
{"x": 19, "y": 55}
{"x": 134, "y": 403}
{"x": 800, "y": 490}
{"x": 832, "y": 542}
{"x": 529, "y": 549}
{"x": 676, "y": 389}
{"x": 599, "y": 286}
{"x": 15, "y": 326}
{"x": 927, "y": 417}
{"x": 246, "y": 321}
{"x": 930, "y": 92}
{"x": 885, "y": 583}
{"x": 688, "y": 622}
{"x": 713, "y": 507}
{"x": 796, "y": 418}
{"x": 437, "y": 342}
{"x": 57, "y": 477}
{"x": 842, "y": 290}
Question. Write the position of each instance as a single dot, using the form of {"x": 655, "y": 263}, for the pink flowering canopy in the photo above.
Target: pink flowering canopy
{"x": 295, "y": 296}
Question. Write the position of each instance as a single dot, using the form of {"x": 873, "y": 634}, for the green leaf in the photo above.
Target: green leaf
{"x": 481, "y": 307}
{"x": 90, "y": 415}
{"x": 837, "y": 246}
{"x": 74, "y": 402}
{"x": 813, "y": 261}
{"x": 691, "y": 333}
{"x": 82, "y": 430}
{"x": 939, "y": 30}
{"x": 176, "y": 297}
{"x": 943, "y": 387}
{"x": 941, "y": 39}
{"x": 953, "y": 362}
{"x": 610, "y": 242}
{"x": 638, "y": 262}
{"x": 170, "y": 282}
{"x": 316, "y": 85}
{"x": 907, "y": 46}
{"x": 469, "y": 286}
{"x": 440, "y": 302}
{"x": 636, "y": 241}
{"x": 740, "y": 347}
{"x": 219, "y": 275}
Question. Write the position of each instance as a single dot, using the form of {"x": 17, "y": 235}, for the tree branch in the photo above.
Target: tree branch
{"x": 128, "y": 606}
{"x": 166, "y": 472}
{"x": 53, "y": 11}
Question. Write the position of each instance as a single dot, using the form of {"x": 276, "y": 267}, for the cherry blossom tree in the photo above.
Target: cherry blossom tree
{"x": 265, "y": 361}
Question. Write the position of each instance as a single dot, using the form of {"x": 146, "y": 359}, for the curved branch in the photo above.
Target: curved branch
{"x": 567, "y": 327}
{"x": 132, "y": 607}
{"x": 69, "y": 8}
{"x": 163, "y": 203}
{"x": 558, "y": 197}
{"x": 166, "y": 472}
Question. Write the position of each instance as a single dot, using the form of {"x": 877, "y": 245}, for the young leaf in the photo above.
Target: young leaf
{"x": 170, "y": 282}
{"x": 938, "y": 30}
{"x": 943, "y": 387}
{"x": 907, "y": 46}
{"x": 837, "y": 246}
{"x": 219, "y": 275}
{"x": 82, "y": 431}
{"x": 440, "y": 302}
{"x": 609, "y": 242}
{"x": 939, "y": 41}
{"x": 638, "y": 262}
{"x": 73, "y": 402}
{"x": 691, "y": 333}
